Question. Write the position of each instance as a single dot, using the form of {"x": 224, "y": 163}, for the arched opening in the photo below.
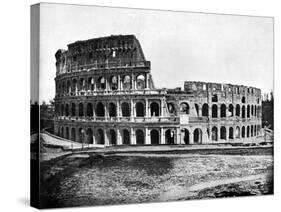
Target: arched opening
{"x": 215, "y": 98}
{"x": 81, "y": 135}
{"x": 243, "y": 132}
{"x": 62, "y": 110}
{"x": 112, "y": 110}
{"x": 154, "y": 109}
{"x": 126, "y": 137}
{"x": 139, "y": 137}
{"x": 184, "y": 108}
{"x": 197, "y": 136}
{"x": 67, "y": 133}
{"x": 127, "y": 85}
{"x": 230, "y": 110}
{"x": 243, "y": 100}
{"x": 101, "y": 83}
{"x": 223, "y": 111}
{"x": 74, "y": 85}
{"x": 248, "y": 111}
{"x": 61, "y": 132}
{"x": 100, "y": 110}
{"x": 223, "y": 133}
{"x": 243, "y": 111}
{"x": 113, "y": 83}
{"x": 154, "y": 137}
{"x": 89, "y": 109}
{"x": 237, "y": 132}
{"x": 255, "y": 130}
{"x": 81, "y": 109}
{"x": 252, "y": 131}
{"x": 170, "y": 137}
{"x": 100, "y": 136}
{"x": 252, "y": 110}
{"x": 171, "y": 108}
{"x": 140, "y": 82}
{"x": 91, "y": 84}
{"x": 125, "y": 107}
{"x": 205, "y": 110}
{"x": 214, "y": 134}
{"x": 248, "y": 131}
{"x": 237, "y": 110}
{"x": 66, "y": 110}
{"x": 214, "y": 111}
{"x": 230, "y": 136}
{"x": 112, "y": 137}
{"x": 186, "y": 136}
{"x": 89, "y": 134}
{"x": 255, "y": 111}
{"x": 82, "y": 84}
{"x": 139, "y": 109}
{"x": 73, "y": 109}
{"x": 73, "y": 134}
{"x": 68, "y": 87}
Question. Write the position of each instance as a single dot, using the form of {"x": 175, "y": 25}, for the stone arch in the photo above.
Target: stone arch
{"x": 81, "y": 109}
{"x": 170, "y": 136}
{"x": 113, "y": 81}
{"x": 74, "y": 85}
{"x": 111, "y": 109}
{"x": 140, "y": 109}
{"x": 99, "y": 136}
{"x": 252, "y": 130}
{"x": 214, "y": 133}
{"x": 101, "y": 83}
{"x": 125, "y": 108}
{"x": 243, "y": 99}
{"x": 186, "y": 136}
{"x": 243, "y": 112}
{"x": 100, "y": 110}
{"x": 237, "y": 132}
{"x": 73, "y": 134}
{"x": 223, "y": 133}
{"x": 255, "y": 130}
{"x": 231, "y": 110}
{"x": 154, "y": 109}
{"x": 112, "y": 137}
{"x": 140, "y": 82}
{"x": 252, "y": 110}
{"x": 243, "y": 132}
{"x": 230, "y": 136}
{"x": 215, "y": 98}
{"x": 62, "y": 110}
{"x": 126, "y": 82}
{"x": 126, "y": 137}
{"x": 140, "y": 137}
{"x": 89, "y": 109}
{"x": 248, "y": 111}
{"x": 154, "y": 136}
{"x": 89, "y": 135}
{"x": 223, "y": 111}
{"x": 66, "y": 110}
{"x": 197, "y": 136}
{"x": 171, "y": 108}
{"x": 205, "y": 110}
{"x": 214, "y": 111}
{"x": 73, "y": 109}
{"x": 184, "y": 108}
{"x": 237, "y": 110}
{"x": 255, "y": 111}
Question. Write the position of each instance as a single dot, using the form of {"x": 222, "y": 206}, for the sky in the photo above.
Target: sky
{"x": 182, "y": 46}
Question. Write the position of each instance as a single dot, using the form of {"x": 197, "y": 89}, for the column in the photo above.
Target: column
{"x": 94, "y": 112}
{"x": 226, "y": 133}
{"x": 178, "y": 136}
{"x": 162, "y": 107}
{"x": 106, "y": 115}
{"x": 162, "y": 135}
{"x": 133, "y": 81}
{"x": 133, "y": 140}
{"x": 146, "y": 108}
{"x": 106, "y": 141}
{"x": 191, "y": 137}
{"x": 146, "y": 81}
{"x": 147, "y": 136}
{"x": 119, "y": 139}
{"x": 118, "y": 109}
{"x": 132, "y": 110}
{"x": 119, "y": 82}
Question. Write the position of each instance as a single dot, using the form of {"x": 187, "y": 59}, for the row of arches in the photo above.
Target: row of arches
{"x": 101, "y": 108}
{"x": 113, "y": 82}
{"x": 225, "y": 111}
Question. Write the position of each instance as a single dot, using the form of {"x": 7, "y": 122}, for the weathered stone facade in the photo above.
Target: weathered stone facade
{"x": 105, "y": 95}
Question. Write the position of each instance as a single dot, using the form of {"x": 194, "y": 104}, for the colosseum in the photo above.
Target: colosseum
{"x": 105, "y": 95}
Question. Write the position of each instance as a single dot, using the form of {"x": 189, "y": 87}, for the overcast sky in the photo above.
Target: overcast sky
{"x": 181, "y": 46}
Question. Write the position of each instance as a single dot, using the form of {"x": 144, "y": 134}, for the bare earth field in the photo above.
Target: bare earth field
{"x": 91, "y": 179}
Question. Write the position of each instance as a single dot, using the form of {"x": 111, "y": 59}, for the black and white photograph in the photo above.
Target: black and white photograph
{"x": 143, "y": 106}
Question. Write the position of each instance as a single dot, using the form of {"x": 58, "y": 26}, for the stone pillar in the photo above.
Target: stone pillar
{"x": 106, "y": 115}
{"x": 94, "y": 111}
{"x": 162, "y": 107}
{"x": 133, "y": 140}
{"x": 146, "y": 81}
{"x": 132, "y": 109}
{"x": 118, "y": 109}
{"x": 147, "y": 136}
{"x": 119, "y": 139}
{"x": 162, "y": 135}
{"x": 191, "y": 137}
{"x": 133, "y": 81}
{"x": 219, "y": 111}
{"x": 106, "y": 141}
{"x": 226, "y": 133}
{"x": 119, "y": 82}
{"x": 178, "y": 136}
{"x": 146, "y": 108}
